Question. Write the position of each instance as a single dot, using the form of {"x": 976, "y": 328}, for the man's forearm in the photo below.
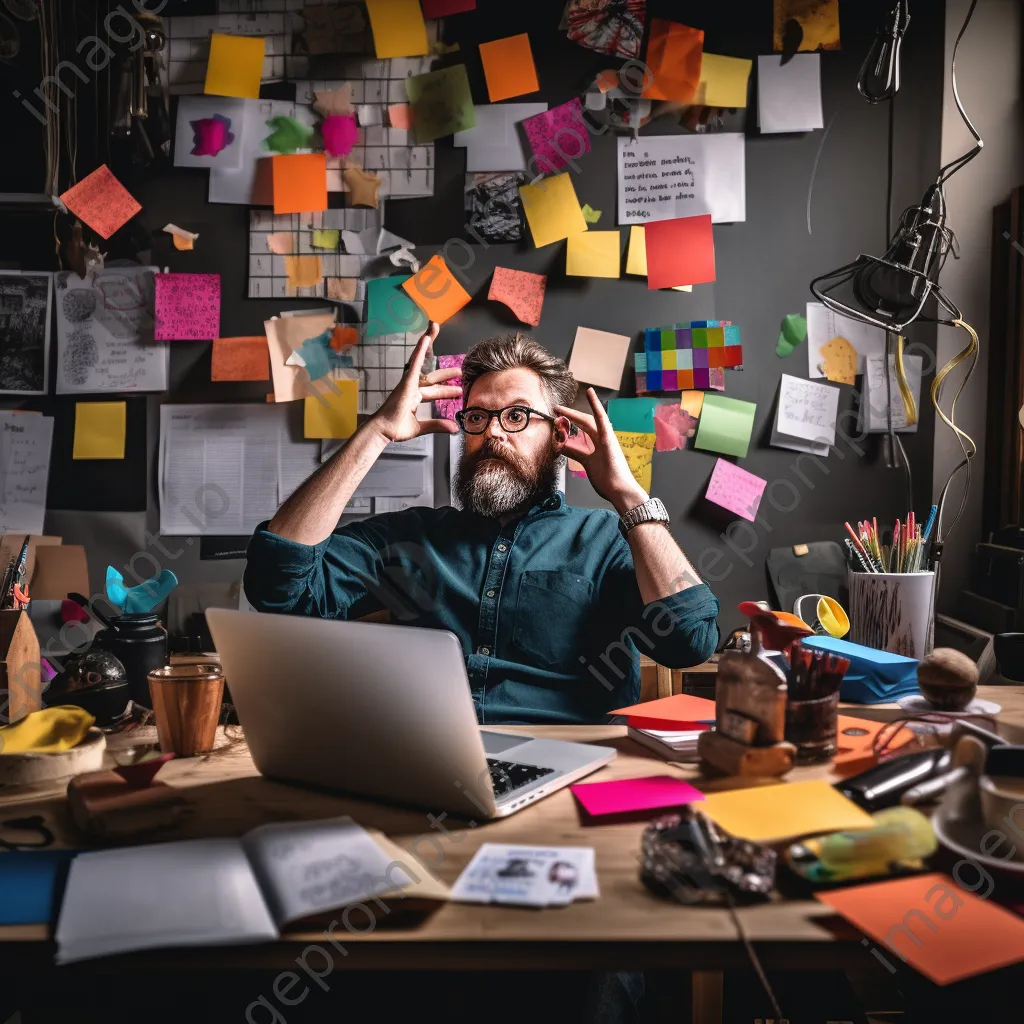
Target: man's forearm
{"x": 312, "y": 512}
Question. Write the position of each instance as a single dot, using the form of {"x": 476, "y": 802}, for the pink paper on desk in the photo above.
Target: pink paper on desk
{"x": 101, "y": 201}
{"x": 620, "y": 796}
{"x": 557, "y": 136}
{"x": 446, "y": 408}
{"x": 672, "y": 427}
{"x": 522, "y": 292}
{"x": 187, "y": 307}
{"x": 735, "y": 489}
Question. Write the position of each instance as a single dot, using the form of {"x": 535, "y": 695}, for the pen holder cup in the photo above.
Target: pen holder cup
{"x": 893, "y": 611}
{"x": 811, "y": 727}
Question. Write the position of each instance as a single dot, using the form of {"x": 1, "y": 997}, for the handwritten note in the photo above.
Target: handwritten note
{"x": 521, "y": 291}
{"x": 662, "y": 177}
{"x": 187, "y": 307}
{"x": 735, "y": 489}
{"x": 441, "y": 103}
{"x": 639, "y": 450}
{"x": 599, "y": 356}
{"x": 245, "y": 358}
{"x": 673, "y": 427}
{"x": 446, "y": 408}
{"x": 25, "y": 440}
{"x": 806, "y": 417}
{"x": 101, "y": 201}
{"x": 557, "y": 136}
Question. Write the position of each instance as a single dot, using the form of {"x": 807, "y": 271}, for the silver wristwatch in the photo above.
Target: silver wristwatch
{"x": 651, "y": 511}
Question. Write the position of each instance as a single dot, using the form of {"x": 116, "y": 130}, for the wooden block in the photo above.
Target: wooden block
{"x": 734, "y": 758}
{"x": 107, "y": 807}
{"x": 21, "y": 689}
{"x": 738, "y": 726}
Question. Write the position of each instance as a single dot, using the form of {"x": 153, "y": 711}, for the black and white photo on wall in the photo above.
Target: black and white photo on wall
{"x": 24, "y": 332}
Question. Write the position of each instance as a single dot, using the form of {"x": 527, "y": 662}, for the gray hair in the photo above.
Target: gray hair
{"x": 514, "y": 351}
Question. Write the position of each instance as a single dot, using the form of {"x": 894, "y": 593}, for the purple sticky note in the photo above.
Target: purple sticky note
{"x": 735, "y": 489}
{"x": 446, "y": 408}
{"x": 187, "y": 307}
{"x": 557, "y": 136}
{"x": 625, "y": 796}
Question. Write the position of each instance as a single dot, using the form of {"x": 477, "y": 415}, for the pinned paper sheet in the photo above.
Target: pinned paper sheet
{"x": 398, "y": 28}
{"x": 673, "y": 61}
{"x": 598, "y": 358}
{"x": 441, "y": 103}
{"x": 673, "y": 427}
{"x": 823, "y": 325}
{"x": 873, "y": 399}
{"x": 941, "y": 928}
{"x": 494, "y": 144}
{"x": 332, "y": 409}
{"x": 639, "y": 450}
{"x": 235, "y": 66}
{"x": 736, "y": 490}
{"x": 806, "y": 416}
{"x": 692, "y": 402}
{"x": 791, "y": 333}
{"x": 680, "y": 251}
{"x": 624, "y": 796}
{"x": 769, "y": 814}
{"x": 183, "y": 240}
{"x": 285, "y": 336}
{"x": 839, "y": 361}
{"x": 508, "y": 67}
{"x": 436, "y": 291}
{"x": 299, "y": 183}
{"x": 521, "y": 291}
{"x": 389, "y": 310}
{"x": 187, "y": 307}
{"x": 446, "y": 408}
{"x": 558, "y": 136}
{"x": 303, "y": 271}
{"x": 244, "y": 358}
{"x": 363, "y": 187}
{"x": 806, "y": 26}
{"x": 725, "y": 425}
{"x": 326, "y": 238}
{"x": 101, "y": 201}
{"x": 593, "y": 254}
{"x": 632, "y": 415}
{"x": 723, "y": 81}
{"x": 789, "y": 94}
{"x": 99, "y": 430}
{"x": 552, "y": 210}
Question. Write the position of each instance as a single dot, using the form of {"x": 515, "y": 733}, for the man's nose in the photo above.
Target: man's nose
{"x": 495, "y": 429}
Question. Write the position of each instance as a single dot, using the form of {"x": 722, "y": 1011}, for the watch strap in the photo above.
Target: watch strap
{"x": 651, "y": 511}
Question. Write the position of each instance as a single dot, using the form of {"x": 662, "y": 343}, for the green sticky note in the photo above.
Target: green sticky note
{"x": 590, "y": 215}
{"x": 632, "y": 415}
{"x": 440, "y": 103}
{"x": 326, "y": 238}
{"x": 792, "y": 332}
{"x": 287, "y": 135}
{"x": 725, "y": 425}
{"x": 389, "y": 310}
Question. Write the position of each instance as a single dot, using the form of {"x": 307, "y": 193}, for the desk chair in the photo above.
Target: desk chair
{"x": 658, "y": 681}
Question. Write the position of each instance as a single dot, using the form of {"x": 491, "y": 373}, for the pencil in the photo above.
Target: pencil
{"x": 894, "y": 561}
{"x": 857, "y": 544}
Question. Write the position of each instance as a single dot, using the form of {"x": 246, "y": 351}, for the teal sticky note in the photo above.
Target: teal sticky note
{"x": 389, "y": 310}
{"x": 633, "y": 415}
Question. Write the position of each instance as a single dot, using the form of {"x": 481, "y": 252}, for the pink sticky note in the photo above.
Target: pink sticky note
{"x": 672, "y": 427}
{"x": 735, "y": 489}
{"x": 101, "y": 201}
{"x": 521, "y": 291}
{"x": 446, "y": 408}
{"x": 187, "y": 307}
{"x": 558, "y": 135}
{"x": 339, "y": 133}
{"x": 625, "y": 796}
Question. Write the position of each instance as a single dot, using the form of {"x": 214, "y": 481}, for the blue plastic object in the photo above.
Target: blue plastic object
{"x": 874, "y": 677}
{"x": 32, "y": 882}
{"x": 143, "y": 598}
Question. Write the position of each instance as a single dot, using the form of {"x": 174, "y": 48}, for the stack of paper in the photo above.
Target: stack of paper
{"x": 529, "y": 876}
{"x": 668, "y": 744}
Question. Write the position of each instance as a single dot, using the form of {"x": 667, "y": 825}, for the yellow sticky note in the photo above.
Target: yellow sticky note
{"x": 593, "y": 254}
{"x": 99, "y": 430}
{"x": 639, "y": 450}
{"x": 332, "y": 410}
{"x": 723, "y": 81}
{"x": 235, "y": 66}
{"x": 552, "y": 209}
{"x": 636, "y": 256}
{"x": 398, "y": 28}
{"x": 692, "y": 402}
{"x": 303, "y": 271}
{"x": 840, "y": 363}
{"x": 765, "y": 814}
{"x": 326, "y": 238}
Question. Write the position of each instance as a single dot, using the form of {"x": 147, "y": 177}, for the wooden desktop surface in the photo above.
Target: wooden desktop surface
{"x": 627, "y": 927}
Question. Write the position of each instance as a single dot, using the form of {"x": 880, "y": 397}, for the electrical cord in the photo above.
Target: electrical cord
{"x": 945, "y": 173}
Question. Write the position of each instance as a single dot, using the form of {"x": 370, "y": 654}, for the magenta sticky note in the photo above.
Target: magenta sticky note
{"x": 735, "y": 489}
{"x": 339, "y": 133}
{"x": 622, "y": 796}
{"x": 187, "y": 307}
{"x": 446, "y": 408}
{"x": 557, "y": 136}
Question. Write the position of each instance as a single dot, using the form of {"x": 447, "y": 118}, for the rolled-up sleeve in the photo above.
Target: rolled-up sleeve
{"x": 682, "y": 627}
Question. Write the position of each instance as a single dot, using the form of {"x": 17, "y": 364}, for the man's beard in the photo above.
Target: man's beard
{"x": 506, "y": 482}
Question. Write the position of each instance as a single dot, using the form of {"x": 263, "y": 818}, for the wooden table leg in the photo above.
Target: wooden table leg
{"x": 706, "y": 997}
{"x": 664, "y": 681}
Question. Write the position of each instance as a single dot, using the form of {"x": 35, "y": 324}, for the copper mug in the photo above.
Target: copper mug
{"x": 186, "y": 704}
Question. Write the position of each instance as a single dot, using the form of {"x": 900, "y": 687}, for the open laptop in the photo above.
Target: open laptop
{"x": 381, "y": 711}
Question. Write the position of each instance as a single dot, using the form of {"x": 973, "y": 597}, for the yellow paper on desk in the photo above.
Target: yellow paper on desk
{"x": 723, "y": 81}
{"x": 100, "y": 429}
{"x": 593, "y": 254}
{"x": 769, "y": 814}
{"x": 46, "y": 732}
{"x": 639, "y": 450}
{"x": 332, "y": 411}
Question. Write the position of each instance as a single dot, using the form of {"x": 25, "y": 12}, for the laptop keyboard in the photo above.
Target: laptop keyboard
{"x": 509, "y": 775}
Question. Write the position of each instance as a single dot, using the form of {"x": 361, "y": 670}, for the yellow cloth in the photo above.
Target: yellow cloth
{"x": 46, "y": 732}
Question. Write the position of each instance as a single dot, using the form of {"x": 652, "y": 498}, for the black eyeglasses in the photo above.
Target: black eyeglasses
{"x": 513, "y": 418}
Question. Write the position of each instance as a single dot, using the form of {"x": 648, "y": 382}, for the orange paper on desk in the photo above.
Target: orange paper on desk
{"x": 939, "y": 928}
{"x": 299, "y": 182}
{"x": 245, "y": 358}
{"x": 434, "y": 289}
{"x": 669, "y": 712}
{"x": 674, "y": 61}
{"x": 508, "y": 67}
{"x": 855, "y": 739}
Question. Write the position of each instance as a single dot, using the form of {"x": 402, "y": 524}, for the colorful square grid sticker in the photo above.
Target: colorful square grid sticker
{"x": 689, "y": 356}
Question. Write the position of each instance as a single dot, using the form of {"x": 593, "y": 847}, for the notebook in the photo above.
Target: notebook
{"x": 213, "y": 892}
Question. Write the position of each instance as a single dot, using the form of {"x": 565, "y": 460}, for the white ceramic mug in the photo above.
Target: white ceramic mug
{"x": 893, "y": 611}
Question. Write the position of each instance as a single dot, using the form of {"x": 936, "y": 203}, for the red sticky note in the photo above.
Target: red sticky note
{"x": 680, "y": 251}
{"x": 680, "y": 707}
{"x": 442, "y": 8}
{"x": 101, "y": 201}
{"x": 624, "y": 796}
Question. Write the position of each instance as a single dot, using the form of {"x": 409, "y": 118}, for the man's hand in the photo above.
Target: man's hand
{"x": 396, "y": 419}
{"x": 607, "y": 468}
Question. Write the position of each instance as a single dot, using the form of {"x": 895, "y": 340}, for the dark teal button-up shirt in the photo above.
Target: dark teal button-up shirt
{"x": 547, "y": 608}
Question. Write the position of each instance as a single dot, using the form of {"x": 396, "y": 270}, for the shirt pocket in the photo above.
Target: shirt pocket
{"x": 551, "y": 616}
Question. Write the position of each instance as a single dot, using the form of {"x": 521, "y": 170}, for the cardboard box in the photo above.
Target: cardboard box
{"x": 53, "y": 569}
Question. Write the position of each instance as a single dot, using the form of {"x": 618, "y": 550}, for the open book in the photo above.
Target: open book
{"x": 212, "y": 892}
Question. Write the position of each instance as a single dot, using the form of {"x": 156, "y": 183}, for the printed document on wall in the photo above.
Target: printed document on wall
{"x": 872, "y": 405}
{"x": 25, "y": 439}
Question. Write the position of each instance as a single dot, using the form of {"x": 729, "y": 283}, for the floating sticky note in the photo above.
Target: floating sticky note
{"x": 442, "y": 8}
{"x": 508, "y": 67}
{"x": 436, "y": 291}
{"x": 339, "y": 132}
{"x": 552, "y": 209}
{"x": 400, "y": 115}
{"x": 187, "y": 307}
{"x": 805, "y": 26}
{"x": 632, "y": 415}
{"x": 446, "y": 408}
{"x": 723, "y": 81}
{"x": 235, "y": 66}
{"x": 840, "y": 361}
{"x": 398, "y": 28}
{"x": 598, "y": 358}
{"x": 639, "y": 450}
{"x": 521, "y": 291}
{"x": 735, "y": 489}
{"x": 99, "y": 430}
{"x": 287, "y": 134}
{"x": 303, "y": 271}
{"x": 768, "y": 814}
{"x": 590, "y": 215}
{"x": 692, "y": 402}
{"x": 441, "y": 103}
{"x": 673, "y": 61}
{"x": 245, "y": 358}
{"x": 332, "y": 411}
{"x": 791, "y": 333}
{"x": 389, "y": 310}
{"x": 101, "y": 201}
{"x": 363, "y": 187}
{"x": 680, "y": 251}
{"x": 344, "y": 289}
{"x": 326, "y": 238}
{"x": 624, "y": 796}
{"x": 725, "y": 425}
{"x": 557, "y": 136}
{"x": 593, "y": 254}
{"x": 673, "y": 427}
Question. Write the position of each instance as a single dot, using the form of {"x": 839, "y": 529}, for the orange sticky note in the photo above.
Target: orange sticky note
{"x": 303, "y": 271}
{"x": 521, "y": 291}
{"x": 434, "y": 289}
{"x": 508, "y": 67}
{"x": 101, "y": 201}
{"x": 840, "y": 363}
{"x": 679, "y": 708}
{"x": 342, "y": 337}
{"x": 680, "y": 251}
{"x": 246, "y": 358}
{"x": 674, "y": 61}
{"x": 235, "y": 66}
{"x": 332, "y": 410}
{"x": 299, "y": 182}
{"x": 399, "y": 115}
{"x": 398, "y": 28}
{"x": 855, "y": 739}
{"x": 941, "y": 929}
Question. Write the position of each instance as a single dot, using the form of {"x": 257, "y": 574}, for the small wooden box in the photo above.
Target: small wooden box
{"x": 21, "y": 690}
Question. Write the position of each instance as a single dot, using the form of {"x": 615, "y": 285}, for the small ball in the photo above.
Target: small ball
{"x": 948, "y": 679}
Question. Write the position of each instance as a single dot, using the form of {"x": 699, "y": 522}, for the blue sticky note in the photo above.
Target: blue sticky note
{"x": 32, "y": 881}
{"x": 874, "y": 677}
{"x": 389, "y": 310}
{"x": 633, "y": 415}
